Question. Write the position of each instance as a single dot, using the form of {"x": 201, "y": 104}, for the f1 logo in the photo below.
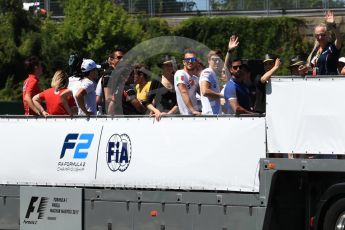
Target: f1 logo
{"x": 39, "y": 209}
{"x": 72, "y": 140}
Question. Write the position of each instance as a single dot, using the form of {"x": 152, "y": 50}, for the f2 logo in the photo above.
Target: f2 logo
{"x": 69, "y": 144}
{"x": 40, "y": 209}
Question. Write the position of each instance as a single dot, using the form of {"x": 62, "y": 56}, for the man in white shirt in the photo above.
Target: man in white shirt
{"x": 186, "y": 85}
{"x": 86, "y": 95}
{"x": 209, "y": 86}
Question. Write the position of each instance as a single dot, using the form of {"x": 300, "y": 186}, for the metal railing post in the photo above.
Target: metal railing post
{"x": 47, "y": 5}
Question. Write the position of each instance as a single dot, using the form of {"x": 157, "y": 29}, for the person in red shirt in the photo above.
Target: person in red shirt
{"x": 30, "y": 87}
{"x": 59, "y": 100}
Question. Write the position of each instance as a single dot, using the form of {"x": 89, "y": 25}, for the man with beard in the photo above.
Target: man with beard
{"x": 186, "y": 85}
{"x": 236, "y": 92}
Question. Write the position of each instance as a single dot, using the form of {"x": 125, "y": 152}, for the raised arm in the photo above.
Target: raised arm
{"x": 232, "y": 45}
{"x": 329, "y": 18}
{"x": 269, "y": 73}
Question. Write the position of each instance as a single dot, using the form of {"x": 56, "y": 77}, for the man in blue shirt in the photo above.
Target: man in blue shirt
{"x": 236, "y": 92}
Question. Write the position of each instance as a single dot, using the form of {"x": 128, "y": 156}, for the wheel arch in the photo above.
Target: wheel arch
{"x": 330, "y": 196}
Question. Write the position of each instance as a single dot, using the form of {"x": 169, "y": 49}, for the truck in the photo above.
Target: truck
{"x": 281, "y": 170}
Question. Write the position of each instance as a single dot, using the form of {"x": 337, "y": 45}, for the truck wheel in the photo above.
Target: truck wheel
{"x": 335, "y": 216}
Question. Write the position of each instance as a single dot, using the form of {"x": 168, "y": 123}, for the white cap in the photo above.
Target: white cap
{"x": 342, "y": 59}
{"x": 89, "y": 65}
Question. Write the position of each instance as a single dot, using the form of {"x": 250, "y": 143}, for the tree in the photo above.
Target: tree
{"x": 15, "y": 24}
{"x": 95, "y": 27}
{"x": 278, "y": 35}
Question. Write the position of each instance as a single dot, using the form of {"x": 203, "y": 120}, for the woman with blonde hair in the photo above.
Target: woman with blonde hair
{"x": 59, "y": 100}
{"x": 324, "y": 57}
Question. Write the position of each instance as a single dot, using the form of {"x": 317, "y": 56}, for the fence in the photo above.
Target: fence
{"x": 208, "y": 7}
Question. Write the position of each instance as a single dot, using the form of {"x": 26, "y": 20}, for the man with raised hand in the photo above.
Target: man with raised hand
{"x": 186, "y": 85}
{"x": 209, "y": 86}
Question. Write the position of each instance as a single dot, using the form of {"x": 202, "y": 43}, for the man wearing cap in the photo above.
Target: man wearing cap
{"x": 341, "y": 66}
{"x": 186, "y": 85}
{"x": 297, "y": 66}
{"x": 271, "y": 65}
{"x": 86, "y": 95}
{"x": 209, "y": 86}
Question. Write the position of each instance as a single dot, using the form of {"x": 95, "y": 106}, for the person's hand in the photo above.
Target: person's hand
{"x": 158, "y": 115}
{"x": 45, "y": 113}
{"x": 88, "y": 113}
{"x": 329, "y": 17}
{"x": 196, "y": 113}
{"x": 233, "y": 42}
{"x": 277, "y": 63}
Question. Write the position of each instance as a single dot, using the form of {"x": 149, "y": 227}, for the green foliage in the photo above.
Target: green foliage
{"x": 95, "y": 27}
{"x": 11, "y": 91}
{"x": 154, "y": 27}
{"x": 14, "y": 23}
{"x": 280, "y": 35}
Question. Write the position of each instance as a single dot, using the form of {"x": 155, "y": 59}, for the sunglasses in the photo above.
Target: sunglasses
{"x": 236, "y": 67}
{"x": 192, "y": 59}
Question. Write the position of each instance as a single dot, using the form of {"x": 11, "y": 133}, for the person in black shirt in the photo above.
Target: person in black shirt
{"x": 130, "y": 104}
{"x": 104, "y": 95}
{"x": 271, "y": 65}
{"x": 167, "y": 97}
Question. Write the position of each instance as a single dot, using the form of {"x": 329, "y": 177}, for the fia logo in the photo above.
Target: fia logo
{"x": 119, "y": 152}
{"x": 36, "y": 209}
{"x": 83, "y": 143}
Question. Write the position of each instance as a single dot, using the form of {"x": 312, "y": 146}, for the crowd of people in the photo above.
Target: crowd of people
{"x": 192, "y": 90}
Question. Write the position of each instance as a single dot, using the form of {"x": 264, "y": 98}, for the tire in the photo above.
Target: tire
{"x": 335, "y": 216}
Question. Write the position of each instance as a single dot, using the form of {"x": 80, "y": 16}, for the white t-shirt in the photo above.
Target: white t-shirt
{"x": 89, "y": 97}
{"x": 99, "y": 90}
{"x": 210, "y": 105}
{"x": 191, "y": 82}
{"x": 74, "y": 84}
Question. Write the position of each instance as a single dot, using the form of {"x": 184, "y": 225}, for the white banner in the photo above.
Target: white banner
{"x": 52, "y": 151}
{"x": 176, "y": 153}
{"x": 306, "y": 116}
{"x": 187, "y": 153}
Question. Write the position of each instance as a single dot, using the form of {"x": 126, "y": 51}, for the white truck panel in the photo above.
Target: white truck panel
{"x": 176, "y": 153}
